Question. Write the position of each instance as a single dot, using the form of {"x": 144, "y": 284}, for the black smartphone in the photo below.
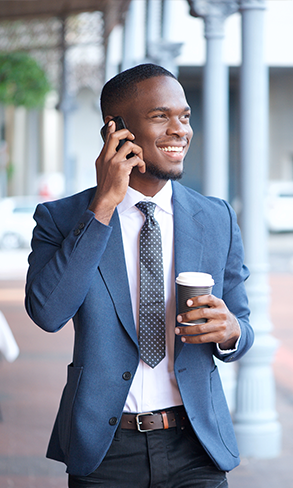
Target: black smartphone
{"x": 120, "y": 124}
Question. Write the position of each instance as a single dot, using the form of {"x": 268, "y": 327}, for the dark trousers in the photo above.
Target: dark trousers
{"x": 171, "y": 458}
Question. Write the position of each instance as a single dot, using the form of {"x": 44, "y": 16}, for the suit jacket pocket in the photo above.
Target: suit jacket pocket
{"x": 222, "y": 414}
{"x": 66, "y": 406}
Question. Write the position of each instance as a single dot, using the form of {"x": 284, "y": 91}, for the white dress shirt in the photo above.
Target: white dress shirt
{"x": 152, "y": 388}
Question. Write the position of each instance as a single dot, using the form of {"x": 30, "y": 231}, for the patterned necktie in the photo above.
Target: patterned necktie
{"x": 152, "y": 300}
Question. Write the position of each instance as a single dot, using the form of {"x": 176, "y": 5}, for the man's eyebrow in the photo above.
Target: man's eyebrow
{"x": 167, "y": 109}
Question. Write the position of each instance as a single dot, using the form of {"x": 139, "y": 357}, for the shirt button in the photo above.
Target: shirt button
{"x": 113, "y": 421}
{"x": 77, "y": 232}
{"x": 81, "y": 225}
{"x": 126, "y": 376}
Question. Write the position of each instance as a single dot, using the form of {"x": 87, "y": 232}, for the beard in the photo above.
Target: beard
{"x": 163, "y": 175}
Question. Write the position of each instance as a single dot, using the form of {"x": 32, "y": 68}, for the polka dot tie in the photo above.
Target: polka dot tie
{"x": 152, "y": 300}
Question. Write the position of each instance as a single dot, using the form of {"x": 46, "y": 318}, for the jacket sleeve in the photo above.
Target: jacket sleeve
{"x": 234, "y": 292}
{"x": 61, "y": 267}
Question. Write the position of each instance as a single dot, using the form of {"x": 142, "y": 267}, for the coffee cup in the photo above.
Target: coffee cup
{"x": 192, "y": 284}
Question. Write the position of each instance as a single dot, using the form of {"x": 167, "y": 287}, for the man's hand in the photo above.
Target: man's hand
{"x": 113, "y": 170}
{"x": 221, "y": 327}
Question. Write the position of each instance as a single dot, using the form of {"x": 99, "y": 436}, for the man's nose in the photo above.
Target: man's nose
{"x": 177, "y": 127}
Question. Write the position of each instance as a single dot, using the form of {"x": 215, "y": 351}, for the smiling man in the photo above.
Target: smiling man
{"x": 143, "y": 406}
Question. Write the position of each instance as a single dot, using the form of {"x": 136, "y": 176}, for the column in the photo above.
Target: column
{"x": 160, "y": 48}
{"x": 215, "y": 95}
{"x": 134, "y": 35}
{"x": 66, "y": 106}
{"x": 256, "y": 424}
{"x": 33, "y": 153}
{"x": 215, "y": 124}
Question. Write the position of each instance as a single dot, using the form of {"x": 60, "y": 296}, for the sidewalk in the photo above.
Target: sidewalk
{"x": 30, "y": 390}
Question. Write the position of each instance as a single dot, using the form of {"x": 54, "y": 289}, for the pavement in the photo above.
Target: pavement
{"x": 31, "y": 386}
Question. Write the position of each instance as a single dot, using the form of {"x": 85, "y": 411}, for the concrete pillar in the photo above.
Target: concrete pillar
{"x": 215, "y": 124}
{"x": 153, "y": 25}
{"x": 215, "y": 95}
{"x": 160, "y": 48}
{"x": 66, "y": 106}
{"x": 33, "y": 152}
{"x": 256, "y": 425}
{"x": 215, "y": 112}
{"x": 134, "y": 35}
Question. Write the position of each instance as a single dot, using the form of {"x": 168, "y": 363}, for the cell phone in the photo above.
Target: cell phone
{"x": 120, "y": 124}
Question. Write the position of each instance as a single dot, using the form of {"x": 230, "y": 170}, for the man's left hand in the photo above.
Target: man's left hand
{"x": 221, "y": 327}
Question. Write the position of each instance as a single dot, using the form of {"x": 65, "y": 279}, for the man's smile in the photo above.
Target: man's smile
{"x": 177, "y": 149}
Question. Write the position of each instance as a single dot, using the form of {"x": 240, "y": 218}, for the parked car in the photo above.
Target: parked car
{"x": 16, "y": 221}
{"x": 279, "y": 206}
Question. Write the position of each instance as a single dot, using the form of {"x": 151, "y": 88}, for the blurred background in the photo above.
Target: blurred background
{"x": 54, "y": 59}
{"x": 54, "y": 62}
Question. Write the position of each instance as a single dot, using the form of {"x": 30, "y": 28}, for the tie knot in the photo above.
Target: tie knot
{"x": 148, "y": 208}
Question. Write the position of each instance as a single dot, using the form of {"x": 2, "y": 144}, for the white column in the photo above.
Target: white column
{"x": 257, "y": 428}
{"x": 215, "y": 95}
{"x": 215, "y": 124}
{"x": 160, "y": 48}
{"x": 33, "y": 153}
{"x": 215, "y": 111}
{"x": 134, "y": 35}
{"x": 66, "y": 106}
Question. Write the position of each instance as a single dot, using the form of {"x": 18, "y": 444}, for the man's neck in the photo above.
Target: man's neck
{"x": 148, "y": 187}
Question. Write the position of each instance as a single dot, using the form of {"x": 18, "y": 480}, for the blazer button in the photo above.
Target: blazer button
{"x": 113, "y": 421}
{"x": 77, "y": 232}
{"x": 126, "y": 376}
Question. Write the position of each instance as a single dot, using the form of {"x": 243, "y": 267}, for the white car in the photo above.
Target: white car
{"x": 279, "y": 206}
{"x": 16, "y": 221}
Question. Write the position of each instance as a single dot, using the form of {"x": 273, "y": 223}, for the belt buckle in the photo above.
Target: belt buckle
{"x": 138, "y": 423}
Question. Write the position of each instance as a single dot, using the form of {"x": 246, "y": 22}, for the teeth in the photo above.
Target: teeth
{"x": 171, "y": 149}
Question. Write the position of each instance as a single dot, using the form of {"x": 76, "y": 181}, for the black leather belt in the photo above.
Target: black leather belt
{"x": 160, "y": 419}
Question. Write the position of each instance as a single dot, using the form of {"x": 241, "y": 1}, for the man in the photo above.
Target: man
{"x": 85, "y": 265}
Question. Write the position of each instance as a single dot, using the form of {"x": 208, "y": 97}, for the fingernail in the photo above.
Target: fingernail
{"x": 110, "y": 123}
{"x": 179, "y": 318}
{"x": 177, "y": 331}
{"x": 183, "y": 339}
{"x": 189, "y": 303}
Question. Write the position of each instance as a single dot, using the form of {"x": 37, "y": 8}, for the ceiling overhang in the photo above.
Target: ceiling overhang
{"x": 28, "y": 9}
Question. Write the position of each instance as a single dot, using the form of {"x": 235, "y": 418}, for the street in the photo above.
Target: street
{"x": 31, "y": 386}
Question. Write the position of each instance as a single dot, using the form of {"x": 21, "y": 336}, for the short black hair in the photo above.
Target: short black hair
{"x": 123, "y": 85}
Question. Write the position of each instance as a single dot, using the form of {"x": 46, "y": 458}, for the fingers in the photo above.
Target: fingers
{"x": 113, "y": 137}
{"x": 200, "y": 334}
{"x": 218, "y": 324}
{"x": 204, "y": 303}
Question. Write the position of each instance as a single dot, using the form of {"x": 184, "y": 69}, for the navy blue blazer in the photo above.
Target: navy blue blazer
{"x": 77, "y": 270}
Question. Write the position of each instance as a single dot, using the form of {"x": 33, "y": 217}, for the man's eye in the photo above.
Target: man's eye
{"x": 187, "y": 116}
{"x": 159, "y": 116}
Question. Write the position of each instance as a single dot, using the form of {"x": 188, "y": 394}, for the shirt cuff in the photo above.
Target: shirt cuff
{"x": 228, "y": 351}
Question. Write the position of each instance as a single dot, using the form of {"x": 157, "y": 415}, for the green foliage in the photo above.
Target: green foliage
{"x": 22, "y": 80}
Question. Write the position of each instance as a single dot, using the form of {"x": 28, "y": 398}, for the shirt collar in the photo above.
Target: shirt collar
{"x": 162, "y": 199}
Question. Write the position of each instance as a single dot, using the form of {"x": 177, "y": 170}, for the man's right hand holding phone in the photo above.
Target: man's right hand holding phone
{"x": 113, "y": 170}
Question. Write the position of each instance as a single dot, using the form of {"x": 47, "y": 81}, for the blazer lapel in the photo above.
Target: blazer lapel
{"x": 188, "y": 237}
{"x": 113, "y": 269}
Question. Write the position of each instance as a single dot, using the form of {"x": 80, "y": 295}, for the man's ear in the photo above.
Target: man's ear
{"x": 108, "y": 118}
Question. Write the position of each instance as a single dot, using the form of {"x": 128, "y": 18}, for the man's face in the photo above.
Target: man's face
{"x": 159, "y": 118}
